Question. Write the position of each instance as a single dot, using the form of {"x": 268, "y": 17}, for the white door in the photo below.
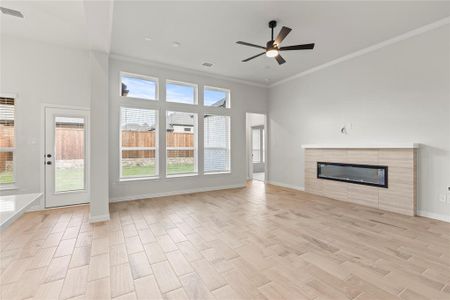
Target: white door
{"x": 66, "y": 156}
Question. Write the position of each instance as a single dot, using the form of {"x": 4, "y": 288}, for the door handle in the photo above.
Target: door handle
{"x": 49, "y": 163}
{"x": 49, "y": 155}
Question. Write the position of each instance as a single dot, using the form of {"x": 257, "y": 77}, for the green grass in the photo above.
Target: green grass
{"x": 6, "y": 177}
{"x": 180, "y": 168}
{"x": 149, "y": 170}
{"x": 69, "y": 179}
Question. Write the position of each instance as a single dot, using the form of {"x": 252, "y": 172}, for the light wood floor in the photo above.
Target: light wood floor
{"x": 258, "y": 242}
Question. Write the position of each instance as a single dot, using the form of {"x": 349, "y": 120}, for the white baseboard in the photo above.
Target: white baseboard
{"x": 173, "y": 193}
{"x": 289, "y": 186}
{"x": 101, "y": 218}
{"x": 427, "y": 214}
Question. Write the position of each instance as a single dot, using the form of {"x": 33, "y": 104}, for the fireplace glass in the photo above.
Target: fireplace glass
{"x": 354, "y": 173}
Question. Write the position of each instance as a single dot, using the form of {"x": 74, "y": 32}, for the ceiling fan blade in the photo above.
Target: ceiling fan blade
{"x": 298, "y": 47}
{"x": 254, "y": 56}
{"x": 250, "y": 45}
{"x": 283, "y": 33}
{"x": 279, "y": 59}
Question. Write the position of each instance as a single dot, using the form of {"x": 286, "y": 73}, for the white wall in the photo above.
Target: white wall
{"x": 39, "y": 73}
{"x": 400, "y": 93}
{"x": 244, "y": 98}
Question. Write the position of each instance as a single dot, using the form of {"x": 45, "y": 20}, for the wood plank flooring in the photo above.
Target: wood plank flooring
{"x": 259, "y": 242}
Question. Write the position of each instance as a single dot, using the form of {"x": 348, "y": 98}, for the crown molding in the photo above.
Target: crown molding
{"x": 186, "y": 70}
{"x": 388, "y": 42}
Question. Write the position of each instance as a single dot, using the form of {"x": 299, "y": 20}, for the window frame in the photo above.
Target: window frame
{"x": 195, "y": 148}
{"x": 11, "y": 185}
{"x": 139, "y": 76}
{"x": 182, "y": 83}
{"x": 229, "y": 146}
{"x": 228, "y": 91}
{"x": 156, "y": 148}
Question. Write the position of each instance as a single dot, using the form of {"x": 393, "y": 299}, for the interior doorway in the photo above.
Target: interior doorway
{"x": 256, "y": 146}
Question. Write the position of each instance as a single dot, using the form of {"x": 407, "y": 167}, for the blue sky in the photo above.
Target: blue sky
{"x": 212, "y": 96}
{"x": 140, "y": 88}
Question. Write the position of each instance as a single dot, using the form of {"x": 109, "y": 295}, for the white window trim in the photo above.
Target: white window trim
{"x": 208, "y": 87}
{"x": 156, "y": 148}
{"x": 12, "y": 185}
{"x": 145, "y": 77}
{"x": 195, "y": 148}
{"x": 195, "y": 86}
{"x": 216, "y": 172}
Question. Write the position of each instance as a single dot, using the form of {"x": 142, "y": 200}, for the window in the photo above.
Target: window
{"x": 138, "y": 86}
{"x": 217, "y": 143}
{"x": 7, "y": 141}
{"x": 181, "y": 92}
{"x": 258, "y": 152}
{"x": 139, "y": 142}
{"x": 216, "y": 97}
{"x": 181, "y": 142}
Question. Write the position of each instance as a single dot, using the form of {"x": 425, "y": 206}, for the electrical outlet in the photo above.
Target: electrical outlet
{"x": 442, "y": 197}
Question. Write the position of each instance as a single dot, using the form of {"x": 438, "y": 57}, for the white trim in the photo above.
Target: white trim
{"x": 285, "y": 185}
{"x": 431, "y": 215}
{"x": 173, "y": 193}
{"x": 185, "y": 70}
{"x": 363, "y": 146}
{"x": 388, "y": 42}
{"x": 100, "y": 218}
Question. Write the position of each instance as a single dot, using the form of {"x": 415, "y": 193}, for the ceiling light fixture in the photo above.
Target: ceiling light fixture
{"x": 272, "y": 52}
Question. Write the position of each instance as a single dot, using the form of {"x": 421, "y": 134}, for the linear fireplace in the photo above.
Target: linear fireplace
{"x": 354, "y": 173}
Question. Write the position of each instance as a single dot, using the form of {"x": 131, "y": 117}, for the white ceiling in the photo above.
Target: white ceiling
{"x": 61, "y": 22}
{"x": 208, "y": 31}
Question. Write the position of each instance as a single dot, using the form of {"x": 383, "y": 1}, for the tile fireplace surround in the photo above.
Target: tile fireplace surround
{"x": 401, "y": 162}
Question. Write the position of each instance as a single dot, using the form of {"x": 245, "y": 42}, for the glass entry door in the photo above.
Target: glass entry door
{"x": 258, "y": 153}
{"x": 66, "y": 157}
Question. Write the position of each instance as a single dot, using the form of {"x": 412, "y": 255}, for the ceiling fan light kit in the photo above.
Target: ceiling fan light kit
{"x": 273, "y": 48}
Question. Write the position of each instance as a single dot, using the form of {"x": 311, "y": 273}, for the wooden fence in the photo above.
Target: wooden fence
{"x": 70, "y": 143}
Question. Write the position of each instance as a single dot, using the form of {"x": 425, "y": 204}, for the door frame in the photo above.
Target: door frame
{"x": 44, "y": 107}
{"x": 248, "y": 156}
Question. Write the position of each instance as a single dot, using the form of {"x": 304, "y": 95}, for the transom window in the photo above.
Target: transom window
{"x": 181, "y": 92}
{"x": 138, "y": 86}
{"x": 216, "y": 97}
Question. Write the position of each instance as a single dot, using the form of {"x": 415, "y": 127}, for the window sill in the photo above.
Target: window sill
{"x": 217, "y": 173}
{"x": 138, "y": 179}
{"x": 8, "y": 187}
{"x": 182, "y": 175}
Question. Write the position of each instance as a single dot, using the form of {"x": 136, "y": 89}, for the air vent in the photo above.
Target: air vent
{"x": 207, "y": 64}
{"x": 11, "y": 12}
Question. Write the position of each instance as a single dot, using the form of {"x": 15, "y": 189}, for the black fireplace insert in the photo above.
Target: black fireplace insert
{"x": 354, "y": 173}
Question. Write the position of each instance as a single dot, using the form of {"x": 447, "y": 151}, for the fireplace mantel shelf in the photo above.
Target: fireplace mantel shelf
{"x": 362, "y": 146}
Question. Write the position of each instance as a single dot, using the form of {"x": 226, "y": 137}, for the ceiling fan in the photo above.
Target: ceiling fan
{"x": 273, "y": 48}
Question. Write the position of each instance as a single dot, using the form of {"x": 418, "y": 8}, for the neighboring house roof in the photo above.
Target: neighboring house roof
{"x": 180, "y": 119}
{"x": 138, "y": 127}
{"x": 220, "y": 103}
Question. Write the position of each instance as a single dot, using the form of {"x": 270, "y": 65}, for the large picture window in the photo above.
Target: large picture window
{"x": 138, "y": 86}
{"x": 181, "y": 143}
{"x": 217, "y": 143}
{"x": 7, "y": 141}
{"x": 139, "y": 142}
